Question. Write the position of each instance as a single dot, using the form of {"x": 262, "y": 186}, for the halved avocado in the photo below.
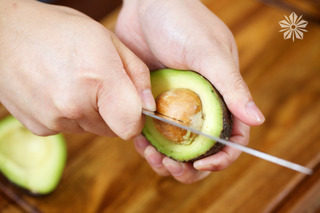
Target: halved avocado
{"x": 187, "y": 98}
{"x": 32, "y": 162}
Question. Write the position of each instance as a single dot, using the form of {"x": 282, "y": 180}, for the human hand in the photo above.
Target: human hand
{"x": 62, "y": 71}
{"x": 184, "y": 34}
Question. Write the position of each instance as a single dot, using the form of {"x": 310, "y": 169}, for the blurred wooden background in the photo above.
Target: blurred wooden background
{"x": 96, "y": 9}
{"x": 107, "y": 175}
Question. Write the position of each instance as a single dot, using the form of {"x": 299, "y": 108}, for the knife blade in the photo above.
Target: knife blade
{"x": 248, "y": 150}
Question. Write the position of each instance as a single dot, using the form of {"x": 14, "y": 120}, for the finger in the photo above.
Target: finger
{"x": 65, "y": 125}
{"x": 222, "y": 71}
{"x": 95, "y": 124}
{"x": 89, "y": 121}
{"x": 154, "y": 158}
{"x": 37, "y": 128}
{"x": 138, "y": 72}
{"x": 75, "y": 114}
{"x": 29, "y": 122}
{"x": 119, "y": 103}
{"x": 140, "y": 143}
{"x": 234, "y": 52}
{"x": 183, "y": 172}
{"x": 221, "y": 160}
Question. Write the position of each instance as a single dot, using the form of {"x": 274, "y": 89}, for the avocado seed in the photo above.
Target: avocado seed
{"x": 182, "y": 106}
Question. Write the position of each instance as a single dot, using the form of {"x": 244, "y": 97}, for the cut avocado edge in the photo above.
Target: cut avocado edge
{"x": 164, "y": 79}
{"x": 31, "y": 162}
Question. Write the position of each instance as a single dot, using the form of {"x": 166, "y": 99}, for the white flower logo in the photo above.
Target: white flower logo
{"x": 293, "y": 27}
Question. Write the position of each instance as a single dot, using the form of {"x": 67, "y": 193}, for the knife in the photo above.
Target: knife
{"x": 242, "y": 148}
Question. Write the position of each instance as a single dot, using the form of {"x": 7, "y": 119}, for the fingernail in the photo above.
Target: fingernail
{"x": 175, "y": 168}
{"x": 199, "y": 165}
{"x": 203, "y": 165}
{"x": 153, "y": 157}
{"x": 254, "y": 112}
{"x": 148, "y": 100}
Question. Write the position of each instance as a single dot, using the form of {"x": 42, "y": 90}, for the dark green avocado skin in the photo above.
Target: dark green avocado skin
{"x": 225, "y": 133}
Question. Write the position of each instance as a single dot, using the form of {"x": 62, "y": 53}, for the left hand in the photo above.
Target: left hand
{"x": 184, "y": 34}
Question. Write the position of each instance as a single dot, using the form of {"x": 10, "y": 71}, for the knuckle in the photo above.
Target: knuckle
{"x": 58, "y": 124}
{"x": 239, "y": 90}
{"x": 139, "y": 72}
{"x": 140, "y": 68}
{"x": 238, "y": 82}
{"x": 71, "y": 112}
{"x": 68, "y": 109}
{"x": 224, "y": 164}
{"x": 217, "y": 166}
{"x": 55, "y": 127}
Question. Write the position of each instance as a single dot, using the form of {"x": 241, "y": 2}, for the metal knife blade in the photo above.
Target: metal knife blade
{"x": 245, "y": 149}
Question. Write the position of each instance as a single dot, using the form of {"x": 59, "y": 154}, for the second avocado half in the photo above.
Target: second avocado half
{"x": 189, "y": 99}
{"x": 32, "y": 162}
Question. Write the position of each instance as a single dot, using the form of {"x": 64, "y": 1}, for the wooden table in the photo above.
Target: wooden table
{"x": 107, "y": 175}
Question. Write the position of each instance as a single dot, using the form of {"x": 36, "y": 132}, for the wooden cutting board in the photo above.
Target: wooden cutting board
{"x": 107, "y": 175}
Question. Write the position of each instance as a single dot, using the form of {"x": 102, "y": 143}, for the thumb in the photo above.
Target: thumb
{"x": 138, "y": 73}
{"x": 222, "y": 71}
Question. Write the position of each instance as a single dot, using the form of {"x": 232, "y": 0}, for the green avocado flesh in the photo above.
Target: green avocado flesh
{"x": 32, "y": 162}
{"x": 216, "y": 117}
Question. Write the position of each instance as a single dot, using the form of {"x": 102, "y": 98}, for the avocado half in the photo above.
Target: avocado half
{"x": 215, "y": 116}
{"x": 31, "y": 162}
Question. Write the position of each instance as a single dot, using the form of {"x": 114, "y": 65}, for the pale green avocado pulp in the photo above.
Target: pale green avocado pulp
{"x": 166, "y": 79}
{"x": 32, "y": 162}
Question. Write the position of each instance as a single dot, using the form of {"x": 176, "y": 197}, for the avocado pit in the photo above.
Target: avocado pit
{"x": 182, "y": 106}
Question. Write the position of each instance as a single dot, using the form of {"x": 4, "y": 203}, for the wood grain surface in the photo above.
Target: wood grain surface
{"x": 107, "y": 175}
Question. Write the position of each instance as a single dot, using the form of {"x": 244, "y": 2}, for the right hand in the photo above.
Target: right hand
{"x": 62, "y": 71}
